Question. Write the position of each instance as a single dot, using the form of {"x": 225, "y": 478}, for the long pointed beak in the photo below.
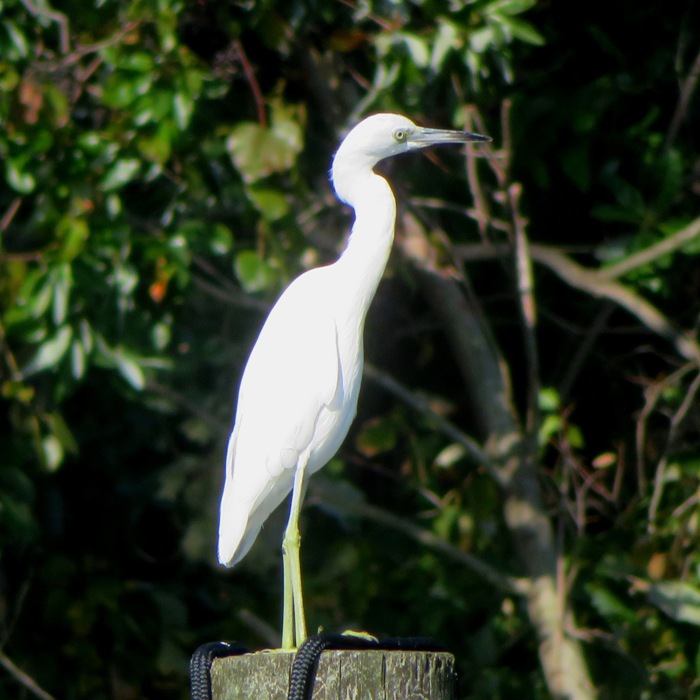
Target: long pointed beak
{"x": 423, "y": 137}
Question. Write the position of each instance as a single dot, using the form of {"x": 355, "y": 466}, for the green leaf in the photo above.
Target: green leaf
{"x": 522, "y": 30}
{"x": 272, "y": 204}
{"x": 122, "y": 172}
{"x": 257, "y": 151}
{"x": 77, "y": 359}
{"x": 17, "y": 177}
{"x": 221, "y": 240}
{"x": 678, "y": 599}
{"x": 509, "y": 7}
{"x": 254, "y": 273}
{"x": 377, "y": 435}
{"x": 50, "y": 353}
{"x": 548, "y": 399}
{"x": 450, "y": 455}
{"x": 183, "y": 106}
{"x": 73, "y": 234}
{"x": 445, "y": 40}
{"x": 63, "y": 281}
{"x": 551, "y": 425}
{"x": 127, "y": 365}
{"x": 60, "y": 429}
{"x": 17, "y": 38}
{"x": 610, "y": 606}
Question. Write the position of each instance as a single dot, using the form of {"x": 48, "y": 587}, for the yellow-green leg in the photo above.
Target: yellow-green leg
{"x": 294, "y": 621}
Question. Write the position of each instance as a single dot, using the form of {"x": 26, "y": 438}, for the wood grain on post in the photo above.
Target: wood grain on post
{"x": 342, "y": 675}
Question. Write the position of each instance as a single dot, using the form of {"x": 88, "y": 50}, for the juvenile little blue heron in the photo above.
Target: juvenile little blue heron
{"x": 298, "y": 394}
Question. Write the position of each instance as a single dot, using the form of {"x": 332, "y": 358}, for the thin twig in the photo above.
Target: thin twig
{"x": 54, "y": 16}
{"x": 481, "y": 210}
{"x": 660, "y": 475}
{"x": 652, "y": 394}
{"x": 23, "y": 678}
{"x": 598, "y": 284}
{"x": 319, "y": 493}
{"x": 421, "y": 405}
{"x": 252, "y": 82}
{"x": 10, "y": 214}
{"x": 686, "y": 91}
{"x": 528, "y": 307}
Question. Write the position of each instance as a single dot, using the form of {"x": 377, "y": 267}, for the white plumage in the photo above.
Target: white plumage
{"x": 298, "y": 394}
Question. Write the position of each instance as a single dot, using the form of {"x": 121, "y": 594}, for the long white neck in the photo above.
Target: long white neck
{"x": 361, "y": 266}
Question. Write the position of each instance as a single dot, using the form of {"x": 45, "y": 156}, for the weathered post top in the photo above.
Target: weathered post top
{"x": 372, "y": 674}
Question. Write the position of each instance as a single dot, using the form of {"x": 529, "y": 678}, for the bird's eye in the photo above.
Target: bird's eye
{"x": 400, "y": 135}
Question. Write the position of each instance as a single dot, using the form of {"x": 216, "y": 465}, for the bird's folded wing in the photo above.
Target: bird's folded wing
{"x": 293, "y": 375}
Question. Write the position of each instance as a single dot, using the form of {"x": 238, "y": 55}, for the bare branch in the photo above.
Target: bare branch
{"x": 660, "y": 474}
{"x": 52, "y": 15}
{"x": 23, "y": 678}
{"x": 654, "y": 252}
{"x": 598, "y": 284}
{"x": 320, "y": 492}
{"x": 528, "y": 307}
{"x": 486, "y": 376}
{"x": 252, "y": 82}
{"x": 10, "y": 214}
{"x": 686, "y": 91}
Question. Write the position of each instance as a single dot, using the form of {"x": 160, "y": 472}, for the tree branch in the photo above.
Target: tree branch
{"x": 602, "y": 285}
{"x": 321, "y": 492}
{"x": 53, "y": 16}
{"x": 513, "y": 452}
{"x": 23, "y": 678}
{"x": 653, "y": 253}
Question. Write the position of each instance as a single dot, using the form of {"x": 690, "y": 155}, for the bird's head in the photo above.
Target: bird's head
{"x": 382, "y": 136}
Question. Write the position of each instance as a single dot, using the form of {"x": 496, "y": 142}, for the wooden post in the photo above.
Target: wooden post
{"x": 342, "y": 675}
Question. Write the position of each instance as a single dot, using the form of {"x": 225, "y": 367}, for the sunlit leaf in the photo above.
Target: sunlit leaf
{"x": 610, "y": 606}
{"x": 272, "y": 204}
{"x": 444, "y": 42}
{"x": 183, "y": 107}
{"x": 220, "y": 239}
{"x": 522, "y": 30}
{"x": 450, "y": 455}
{"x": 17, "y": 38}
{"x": 253, "y": 272}
{"x": 17, "y": 177}
{"x": 77, "y": 359}
{"x": 678, "y": 599}
{"x": 548, "y": 399}
{"x": 119, "y": 174}
{"x": 52, "y": 452}
{"x": 259, "y": 151}
{"x": 50, "y": 352}
{"x": 129, "y": 368}
{"x": 63, "y": 280}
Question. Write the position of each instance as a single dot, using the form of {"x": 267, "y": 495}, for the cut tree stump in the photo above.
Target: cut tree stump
{"x": 342, "y": 675}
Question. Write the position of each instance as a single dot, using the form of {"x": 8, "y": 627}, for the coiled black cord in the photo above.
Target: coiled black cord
{"x": 305, "y": 662}
{"x": 200, "y": 665}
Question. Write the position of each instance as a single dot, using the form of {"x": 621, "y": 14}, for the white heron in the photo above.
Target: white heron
{"x": 298, "y": 394}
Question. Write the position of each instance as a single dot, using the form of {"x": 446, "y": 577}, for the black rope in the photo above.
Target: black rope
{"x": 306, "y": 660}
{"x": 200, "y": 666}
{"x": 305, "y": 664}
